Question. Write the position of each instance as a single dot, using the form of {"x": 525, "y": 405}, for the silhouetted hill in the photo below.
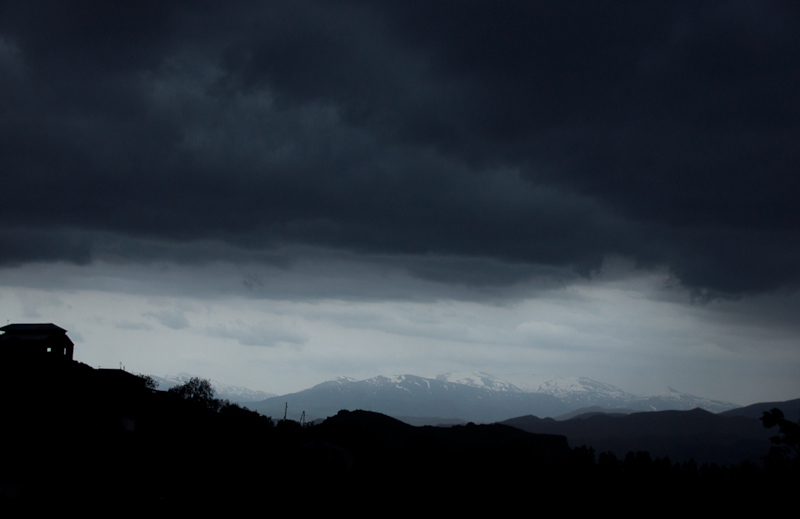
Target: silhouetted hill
{"x": 790, "y": 408}
{"x": 679, "y": 435}
{"x": 84, "y": 436}
{"x": 451, "y": 467}
{"x": 396, "y": 433}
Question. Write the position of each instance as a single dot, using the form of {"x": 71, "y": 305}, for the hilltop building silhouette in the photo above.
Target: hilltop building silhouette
{"x": 35, "y": 341}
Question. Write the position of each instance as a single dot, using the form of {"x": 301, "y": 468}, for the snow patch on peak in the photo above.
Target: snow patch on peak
{"x": 562, "y": 387}
{"x": 479, "y": 380}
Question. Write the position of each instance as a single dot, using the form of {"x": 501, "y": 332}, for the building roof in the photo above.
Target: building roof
{"x": 47, "y": 328}
{"x": 41, "y": 333}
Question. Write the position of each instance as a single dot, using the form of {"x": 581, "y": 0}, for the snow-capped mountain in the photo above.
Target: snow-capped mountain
{"x": 564, "y": 387}
{"x": 673, "y": 399}
{"x": 466, "y": 396}
{"x": 479, "y": 380}
{"x": 411, "y": 396}
{"x": 236, "y": 394}
{"x": 581, "y": 392}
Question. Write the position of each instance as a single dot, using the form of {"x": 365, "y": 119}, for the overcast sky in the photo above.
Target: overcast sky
{"x": 274, "y": 193}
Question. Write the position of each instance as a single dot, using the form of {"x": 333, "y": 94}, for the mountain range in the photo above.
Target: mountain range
{"x": 465, "y": 397}
{"x": 583, "y": 411}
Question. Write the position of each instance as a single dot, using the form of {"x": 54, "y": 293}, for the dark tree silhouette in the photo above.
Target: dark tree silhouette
{"x": 149, "y": 382}
{"x": 198, "y": 391}
{"x": 785, "y": 454}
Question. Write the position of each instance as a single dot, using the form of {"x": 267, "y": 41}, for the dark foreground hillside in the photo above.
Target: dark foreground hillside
{"x": 680, "y": 435}
{"x": 86, "y": 439}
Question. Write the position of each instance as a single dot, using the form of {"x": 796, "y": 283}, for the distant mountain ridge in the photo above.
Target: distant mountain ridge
{"x": 585, "y": 392}
{"x": 477, "y": 397}
{"x": 790, "y": 408}
{"x": 680, "y": 435}
{"x": 480, "y": 380}
{"x": 235, "y": 394}
{"x": 406, "y": 395}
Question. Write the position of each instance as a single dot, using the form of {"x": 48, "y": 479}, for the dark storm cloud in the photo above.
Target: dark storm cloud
{"x": 528, "y": 134}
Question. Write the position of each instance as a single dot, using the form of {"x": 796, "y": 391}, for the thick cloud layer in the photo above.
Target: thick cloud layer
{"x": 541, "y": 135}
